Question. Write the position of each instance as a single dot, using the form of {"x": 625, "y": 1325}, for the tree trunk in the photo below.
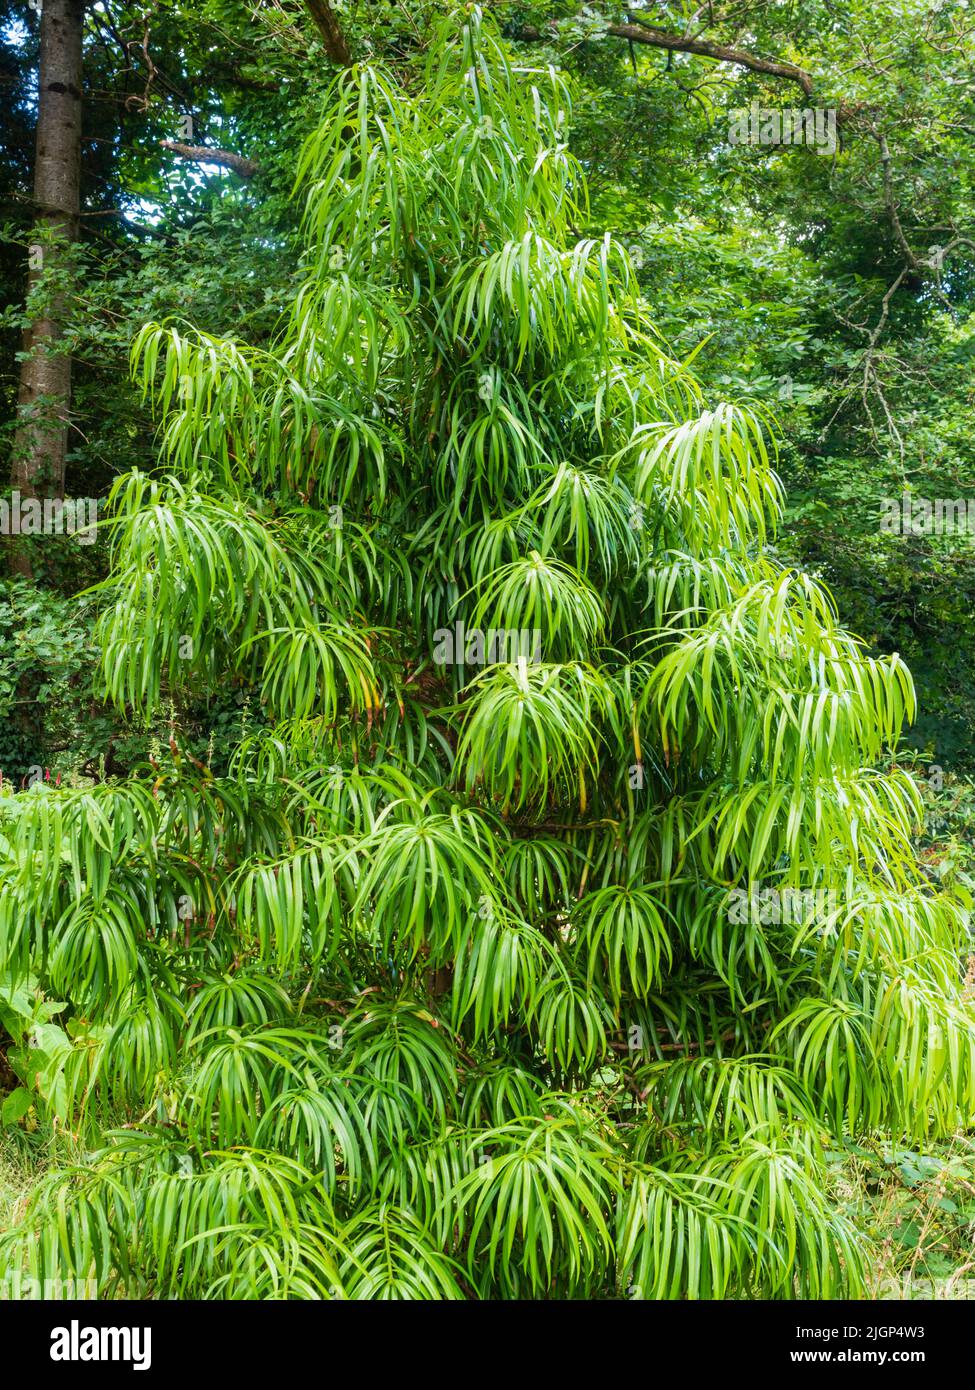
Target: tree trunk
{"x": 44, "y": 399}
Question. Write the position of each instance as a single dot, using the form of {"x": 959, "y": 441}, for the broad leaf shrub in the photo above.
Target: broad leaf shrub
{"x": 453, "y": 985}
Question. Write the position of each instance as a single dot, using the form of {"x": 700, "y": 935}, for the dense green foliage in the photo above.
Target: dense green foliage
{"x": 503, "y": 975}
{"x": 774, "y": 262}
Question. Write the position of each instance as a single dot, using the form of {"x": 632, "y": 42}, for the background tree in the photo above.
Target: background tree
{"x": 45, "y": 374}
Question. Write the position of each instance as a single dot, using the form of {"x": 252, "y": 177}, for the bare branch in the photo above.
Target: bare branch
{"x": 891, "y": 204}
{"x": 202, "y": 154}
{"x": 638, "y": 32}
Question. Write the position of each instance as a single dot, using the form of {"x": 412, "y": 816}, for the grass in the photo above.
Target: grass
{"x": 24, "y": 1157}
{"x": 917, "y": 1209}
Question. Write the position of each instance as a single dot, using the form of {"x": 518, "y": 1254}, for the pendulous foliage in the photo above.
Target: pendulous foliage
{"x": 453, "y": 985}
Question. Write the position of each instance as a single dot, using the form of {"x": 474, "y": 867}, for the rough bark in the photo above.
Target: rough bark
{"x": 44, "y": 398}
{"x": 331, "y": 31}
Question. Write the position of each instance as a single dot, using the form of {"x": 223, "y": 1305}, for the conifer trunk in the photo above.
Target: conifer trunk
{"x": 44, "y": 398}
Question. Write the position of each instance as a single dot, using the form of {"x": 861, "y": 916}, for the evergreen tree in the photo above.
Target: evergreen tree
{"x": 550, "y": 919}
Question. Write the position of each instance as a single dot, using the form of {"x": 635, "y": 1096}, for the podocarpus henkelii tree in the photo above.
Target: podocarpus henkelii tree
{"x": 454, "y": 985}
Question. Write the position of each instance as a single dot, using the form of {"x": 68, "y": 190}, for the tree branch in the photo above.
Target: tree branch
{"x": 328, "y": 26}
{"x": 638, "y": 32}
{"x": 202, "y": 154}
{"x": 890, "y": 204}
